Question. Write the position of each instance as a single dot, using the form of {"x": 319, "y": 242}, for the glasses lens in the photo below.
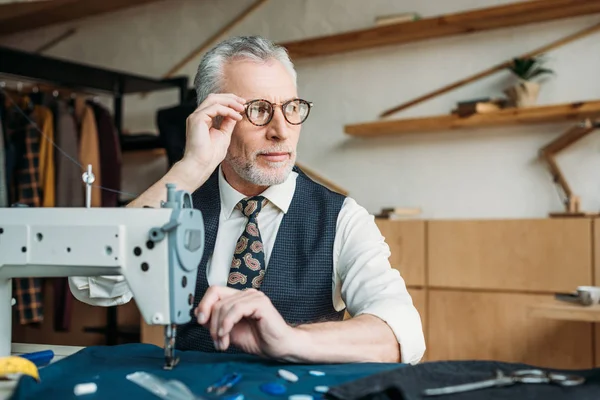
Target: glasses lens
{"x": 296, "y": 111}
{"x": 259, "y": 112}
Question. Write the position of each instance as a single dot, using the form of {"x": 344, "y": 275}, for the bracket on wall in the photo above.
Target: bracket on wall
{"x": 548, "y": 154}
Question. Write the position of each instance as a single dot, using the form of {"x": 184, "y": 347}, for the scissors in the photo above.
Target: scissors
{"x": 501, "y": 379}
{"x": 224, "y": 384}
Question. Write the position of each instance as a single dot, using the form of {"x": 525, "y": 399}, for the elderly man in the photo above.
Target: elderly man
{"x": 284, "y": 256}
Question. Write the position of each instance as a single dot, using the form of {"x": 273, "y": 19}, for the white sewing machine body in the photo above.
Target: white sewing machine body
{"x": 157, "y": 250}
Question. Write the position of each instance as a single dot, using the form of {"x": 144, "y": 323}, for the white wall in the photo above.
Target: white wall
{"x": 487, "y": 173}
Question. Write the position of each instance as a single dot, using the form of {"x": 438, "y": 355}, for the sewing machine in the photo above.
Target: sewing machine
{"x": 156, "y": 250}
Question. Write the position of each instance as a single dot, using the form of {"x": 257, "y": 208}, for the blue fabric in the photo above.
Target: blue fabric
{"x": 298, "y": 276}
{"x": 108, "y": 367}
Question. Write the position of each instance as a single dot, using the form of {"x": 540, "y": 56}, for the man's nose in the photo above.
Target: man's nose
{"x": 278, "y": 128}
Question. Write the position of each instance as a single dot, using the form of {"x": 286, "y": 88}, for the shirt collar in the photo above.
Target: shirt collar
{"x": 280, "y": 195}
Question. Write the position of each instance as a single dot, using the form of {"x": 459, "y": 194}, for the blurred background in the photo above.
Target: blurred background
{"x": 482, "y": 174}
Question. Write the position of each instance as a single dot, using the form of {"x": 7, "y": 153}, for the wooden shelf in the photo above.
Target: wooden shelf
{"x": 506, "y": 117}
{"x": 477, "y": 20}
{"x": 559, "y": 310}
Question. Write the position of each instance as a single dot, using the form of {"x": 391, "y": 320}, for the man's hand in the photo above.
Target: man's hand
{"x": 205, "y": 148}
{"x": 207, "y": 142}
{"x": 246, "y": 319}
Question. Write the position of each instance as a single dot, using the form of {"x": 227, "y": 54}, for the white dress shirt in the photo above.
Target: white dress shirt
{"x": 362, "y": 280}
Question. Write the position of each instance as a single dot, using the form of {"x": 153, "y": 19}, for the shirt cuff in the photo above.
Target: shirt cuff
{"x": 405, "y": 322}
{"x": 101, "y": 291}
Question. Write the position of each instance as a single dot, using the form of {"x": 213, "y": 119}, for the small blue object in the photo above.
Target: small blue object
{"x": 273, "y": 388}
{"x": 225, "y": 383}
{"x": 39, "y": 358}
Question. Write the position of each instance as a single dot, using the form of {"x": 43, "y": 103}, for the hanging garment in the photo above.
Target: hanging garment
{"x": 171, "y": 124}
{"x": 69, "y": 184}
{"x": 45, "y": 121}
{"x": 69, "y": 193}
{"x": 24, "y": 137}
{"x": 110, "y": 155}
{"x": 3, "y": 181}
{"x": 89, "y": 148}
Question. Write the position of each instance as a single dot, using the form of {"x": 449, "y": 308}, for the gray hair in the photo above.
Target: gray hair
{"x": 256, "y": 48}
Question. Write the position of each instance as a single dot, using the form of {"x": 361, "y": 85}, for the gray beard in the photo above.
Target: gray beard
{"x": 250, "y": 172}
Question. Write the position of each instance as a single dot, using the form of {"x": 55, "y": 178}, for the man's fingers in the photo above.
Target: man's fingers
{"x": 216, "y": 110}
{"x": 213, "y": 295}
{"x": 227, "y": 125}
{"x": 220, "y": 307}
{"x": 227, "y": 99}
{"x": 233, "y": 311}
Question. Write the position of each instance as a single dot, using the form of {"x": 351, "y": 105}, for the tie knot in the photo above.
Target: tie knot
{"x": 251, "y": 207}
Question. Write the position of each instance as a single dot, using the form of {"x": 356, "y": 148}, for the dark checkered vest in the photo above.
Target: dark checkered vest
{"x": 298, "y": 278}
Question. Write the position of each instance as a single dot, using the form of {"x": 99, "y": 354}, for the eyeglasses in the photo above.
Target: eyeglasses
{"x": 260, "y": 112}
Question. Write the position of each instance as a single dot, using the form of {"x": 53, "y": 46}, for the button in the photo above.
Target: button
{"x": 287, "y": 375}
{"x": 273, "y": 388}
{"x": 321, "y": 389}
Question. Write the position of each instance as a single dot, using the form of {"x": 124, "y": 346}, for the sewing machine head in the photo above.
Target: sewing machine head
{"x": 156, "y": 250}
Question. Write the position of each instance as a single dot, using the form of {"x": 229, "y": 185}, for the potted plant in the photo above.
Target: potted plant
{"x": 525, "y": 92}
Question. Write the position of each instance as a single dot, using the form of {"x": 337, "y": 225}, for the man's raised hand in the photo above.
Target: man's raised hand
{"x": 207, "y": 142}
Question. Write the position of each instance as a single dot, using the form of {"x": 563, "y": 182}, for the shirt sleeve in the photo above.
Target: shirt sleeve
{"x": 102, "y": 291}
{"x": 366, "y": 283}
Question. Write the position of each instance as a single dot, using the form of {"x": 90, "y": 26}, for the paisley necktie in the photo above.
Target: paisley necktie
{"x": 248, "y": 264}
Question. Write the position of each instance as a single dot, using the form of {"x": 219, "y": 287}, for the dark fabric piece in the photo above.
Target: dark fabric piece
{"x": 298, "y": 276}
{"x": 70, "y": 191}
{"x": 10, "y": 149}
{"x": 248, "y": 261}
{"x": 24, "y": 139}
{"x": 110, "y": 155}
{"x": 409, "y": 383}
{"x": 3, "y": 186}
{"x": 171, "y": 123}
{"x": 108, "y": 367}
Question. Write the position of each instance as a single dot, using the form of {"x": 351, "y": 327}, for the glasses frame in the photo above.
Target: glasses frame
{"x": 273, "y": 106}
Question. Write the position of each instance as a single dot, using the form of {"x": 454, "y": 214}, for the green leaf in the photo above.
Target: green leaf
{"x": 540, "y": 71}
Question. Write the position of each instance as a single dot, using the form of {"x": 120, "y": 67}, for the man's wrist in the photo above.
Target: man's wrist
{"x": 188, "y": 174}
{"x": 298, "y": 344}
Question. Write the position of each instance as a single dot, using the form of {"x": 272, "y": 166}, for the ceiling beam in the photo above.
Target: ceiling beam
{"x": 19, "y": 17}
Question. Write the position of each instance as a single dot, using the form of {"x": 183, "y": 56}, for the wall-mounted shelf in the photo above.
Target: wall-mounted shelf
{"x": 505, "y": 117}
{"x": 554, "y": 309}
{"x": 478, "y": 20}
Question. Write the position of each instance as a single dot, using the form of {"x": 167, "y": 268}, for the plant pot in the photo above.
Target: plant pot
{"x": 523, "y": 94}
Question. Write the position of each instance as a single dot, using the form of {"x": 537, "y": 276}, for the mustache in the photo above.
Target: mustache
{"x": 276, "y": 149}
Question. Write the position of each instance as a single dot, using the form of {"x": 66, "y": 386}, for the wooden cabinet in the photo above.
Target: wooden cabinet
{"x": 543, "y": 255}
{"x": 495, "y": 326}
{"x": 406, "y": 240}
{"x": 473, "y": 282}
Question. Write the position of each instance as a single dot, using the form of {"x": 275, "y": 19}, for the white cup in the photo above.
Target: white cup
{"x": 589, "y": 294}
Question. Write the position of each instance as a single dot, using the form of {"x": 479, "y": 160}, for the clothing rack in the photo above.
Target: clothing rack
{"x": 83, "y": 77}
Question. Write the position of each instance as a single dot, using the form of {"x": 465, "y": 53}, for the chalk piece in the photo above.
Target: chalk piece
{"x": 321, "y": 389}
{"x": 287, "y": 375}
{"x": 273, "y": 388}
{"x": 300, "y": 397}
{"x": 316, "y": 373}
{"x": 82, "y": 389}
